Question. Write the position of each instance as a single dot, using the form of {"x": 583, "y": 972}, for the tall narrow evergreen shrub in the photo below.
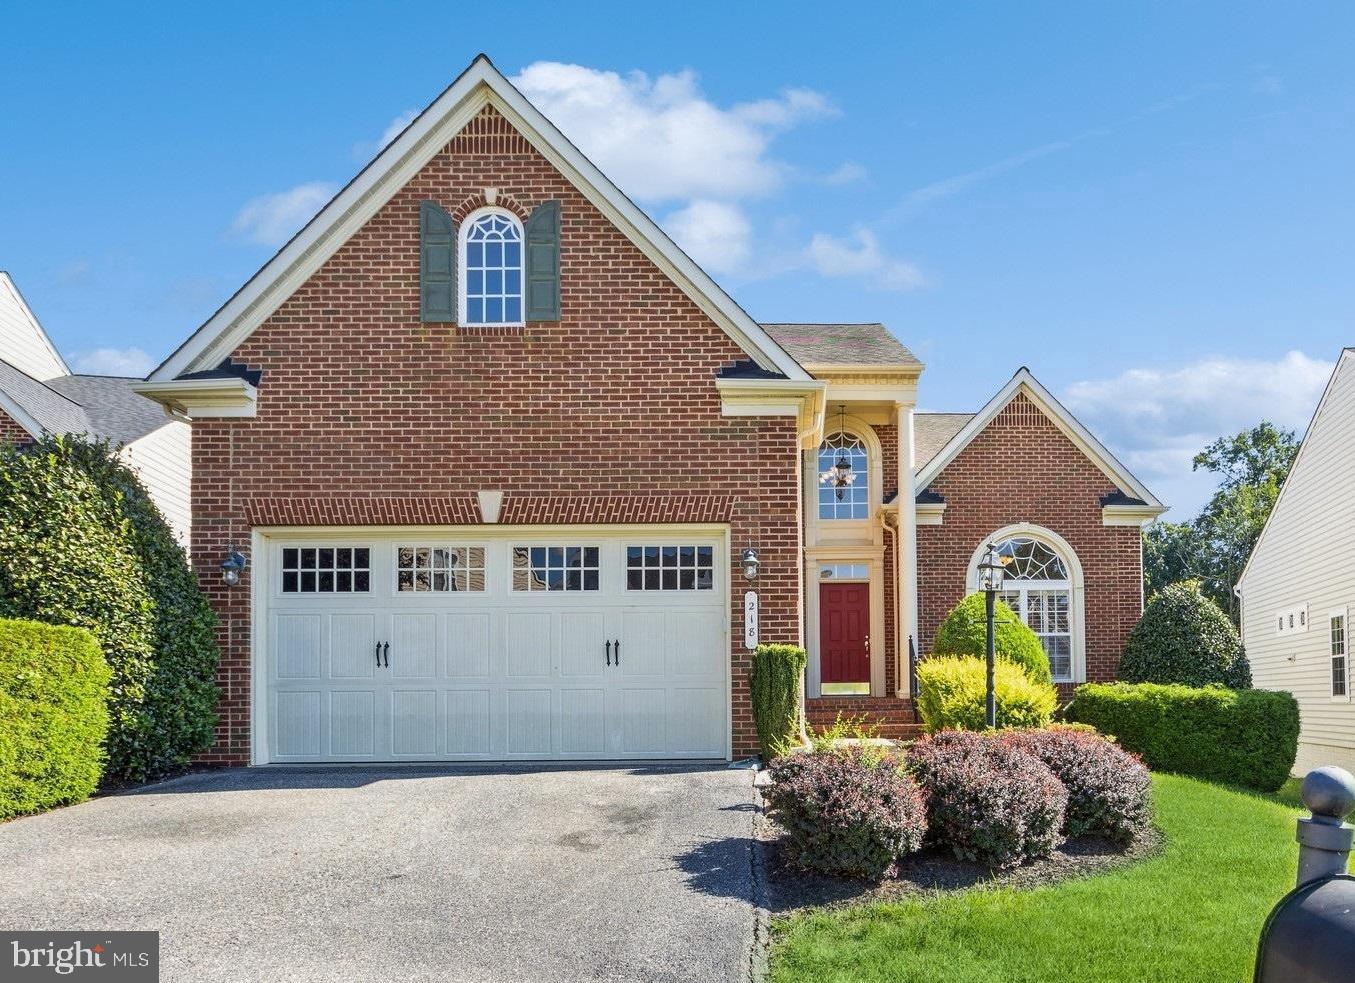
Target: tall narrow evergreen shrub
{"x": 775, "y": 682}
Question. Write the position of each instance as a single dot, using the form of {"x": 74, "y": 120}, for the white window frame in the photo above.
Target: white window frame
{"x": 462, "y": 272}
{"x": 1343, "y": 655}
{"x": 397, "y": 569}
{"x": 1075, "y": 586}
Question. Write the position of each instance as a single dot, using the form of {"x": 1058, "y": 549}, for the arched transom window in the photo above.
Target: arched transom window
{"x": 844, "y": 477}
{"x": 1037, "y": 586}
{"x": 491, "y": 256}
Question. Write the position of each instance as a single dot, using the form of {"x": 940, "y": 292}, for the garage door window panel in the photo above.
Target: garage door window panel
{"x": 430, "y": 569}
{"x": 326, "y": 570}
{"x": 670, "y": 568}
{"x": 555, "y": 568}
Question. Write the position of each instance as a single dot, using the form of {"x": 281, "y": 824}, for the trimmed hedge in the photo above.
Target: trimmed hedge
{"x": 953, "y": 694}
{"x": 1184, "y": 637}
{"x": 965, "y": 632}
{"x": 774, "y": 682}
{"x": 988, "y": 801}
{"x": 847, "y": 812}
{"x": 1109, "y": 790}
{"x": 1243, "y": 737}
{"x": 53, "y": 716}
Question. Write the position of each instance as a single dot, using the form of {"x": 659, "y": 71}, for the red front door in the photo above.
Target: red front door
{"x": 844, "y": 633}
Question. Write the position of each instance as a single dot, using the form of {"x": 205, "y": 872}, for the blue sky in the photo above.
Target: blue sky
{"x": 1148, "y": 204}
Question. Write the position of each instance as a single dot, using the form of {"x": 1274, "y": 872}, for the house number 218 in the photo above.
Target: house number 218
{"x": 750, "y": 620}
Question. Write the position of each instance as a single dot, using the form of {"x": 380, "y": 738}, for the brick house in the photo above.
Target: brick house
{"x": 498, "y": 455}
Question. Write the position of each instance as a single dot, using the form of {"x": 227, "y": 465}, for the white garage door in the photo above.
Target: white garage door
{"x": 423, "y": 647}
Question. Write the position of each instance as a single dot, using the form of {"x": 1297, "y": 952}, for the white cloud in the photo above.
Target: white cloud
{"x": 718, "y": 236}
{"x": 273, "y": 219}
{"x": 113, "y": 361}
{"x": 365, "y": 149}
{"x": 847, "y": 173}
{"x": 860, "y": 256}
{"x": 1156, "y": 420}
{"x": 660, "y": 138}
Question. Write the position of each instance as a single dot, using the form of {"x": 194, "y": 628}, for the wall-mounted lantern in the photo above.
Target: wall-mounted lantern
{"x": 750, "y": 563}
{"x": 232, "y": 566}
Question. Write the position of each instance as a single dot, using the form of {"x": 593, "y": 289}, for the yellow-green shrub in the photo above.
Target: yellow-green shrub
{"x": 953, "y": 694}
{"x": 53, "y": 715}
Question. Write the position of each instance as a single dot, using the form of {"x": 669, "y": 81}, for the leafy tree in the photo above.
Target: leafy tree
{"x": 1184, "y": 637}
{"x": 82, "y": 544}
{"x": 1213, "y": 548}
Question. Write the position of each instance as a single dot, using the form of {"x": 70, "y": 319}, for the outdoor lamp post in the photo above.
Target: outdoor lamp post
{"x": 991, "y": 576}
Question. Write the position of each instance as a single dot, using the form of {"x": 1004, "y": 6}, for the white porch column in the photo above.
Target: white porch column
{"x": 907, "y": 577}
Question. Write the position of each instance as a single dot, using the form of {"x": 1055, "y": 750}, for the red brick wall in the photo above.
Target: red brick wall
{"x": 1022, "y": 468}
{"x": 360, "y": 400}
{"x": 11, "y": 432}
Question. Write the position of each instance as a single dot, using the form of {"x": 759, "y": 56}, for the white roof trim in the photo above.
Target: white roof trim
{"x": 1023, "y": 381}
{"x": 1347, "y": 356}
{"x": 27, "y": 311}
{"x": 20, "y": 415}
{"x": 349, "y": 210}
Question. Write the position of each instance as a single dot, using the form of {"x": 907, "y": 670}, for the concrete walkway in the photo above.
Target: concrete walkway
{"x": 406, "y": 873}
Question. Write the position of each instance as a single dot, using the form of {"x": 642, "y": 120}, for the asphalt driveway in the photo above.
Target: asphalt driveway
{"x": 521, "y": 874}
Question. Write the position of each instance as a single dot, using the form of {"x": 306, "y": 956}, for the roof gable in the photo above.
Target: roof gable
{"x": 23, "y": 342}
{"x": 480, "y": 85}
{"x": 1345, "y": 363}
{"x": 1025, "y": 383}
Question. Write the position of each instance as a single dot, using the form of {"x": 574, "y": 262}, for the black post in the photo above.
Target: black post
{"x": 991, "y": 598}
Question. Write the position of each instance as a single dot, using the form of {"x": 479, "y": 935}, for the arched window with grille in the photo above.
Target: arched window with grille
{"x": 844, "y": 477}
{"x": 1039, "y": 585}
{"x": 492, "y": 265}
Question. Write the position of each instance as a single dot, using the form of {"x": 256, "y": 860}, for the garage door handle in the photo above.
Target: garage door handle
{"x": 609, "y": 653}
{"x": 618, "y": 651}
{"x": 378, "y": 655}
{"x": 388, "y": 655}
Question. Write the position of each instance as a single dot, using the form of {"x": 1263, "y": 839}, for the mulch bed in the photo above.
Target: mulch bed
{"x": 789, "y": 888}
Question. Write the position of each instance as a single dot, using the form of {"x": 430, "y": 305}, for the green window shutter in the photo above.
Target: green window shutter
{"x": 543, "y": 262}
{"x": 437, "y": 263}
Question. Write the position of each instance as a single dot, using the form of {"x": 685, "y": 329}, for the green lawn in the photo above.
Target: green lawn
{"x": 1193, "y": 912}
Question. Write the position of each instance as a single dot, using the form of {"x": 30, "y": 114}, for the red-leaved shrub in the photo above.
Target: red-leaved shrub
{"x": 1108, "y": 788}
{"x": 986, "y": 800}
{"x": 849, "y": 812}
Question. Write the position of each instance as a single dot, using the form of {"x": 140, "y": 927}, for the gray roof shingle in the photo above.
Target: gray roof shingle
{"x": 841, "y": 344}
{"x": 933, "y": 431}
{"x": 115, "y": 412}
{"x": 53, "y": 411}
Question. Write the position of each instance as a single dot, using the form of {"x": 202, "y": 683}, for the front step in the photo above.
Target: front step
{"x": 890, "y": 716}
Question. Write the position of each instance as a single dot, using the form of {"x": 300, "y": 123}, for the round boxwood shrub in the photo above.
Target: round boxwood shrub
{"x": 953, "y": 693}
{"x": 53, "y": 715}
{"x": 774, "y": 681}
{"x": 1184, "y": 637}
{"x": 850, "y": 812}
{"x": 1109, "y": 791}
{"x": 986, "y": 800}
{"x": 965, "y": 632}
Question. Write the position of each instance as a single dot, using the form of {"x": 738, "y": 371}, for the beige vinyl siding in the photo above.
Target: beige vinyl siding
{"x": 1303, "y": 559}
{"x": 163, "y": 459}
{"x": 23, "y": 344}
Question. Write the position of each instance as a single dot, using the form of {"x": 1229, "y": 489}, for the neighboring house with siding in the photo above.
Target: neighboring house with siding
{"x": 40, "y": 395}
{"x": 1298, "y": 588}
{"x": 495, "y": 447}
